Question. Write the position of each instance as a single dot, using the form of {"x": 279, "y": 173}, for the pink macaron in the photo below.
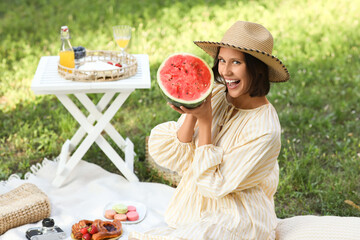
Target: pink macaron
{"x": 110, "y": 213}
{"x": 132, "y": 216}
{"x": 120, "y": 216}
{"x": 131, "y": 208}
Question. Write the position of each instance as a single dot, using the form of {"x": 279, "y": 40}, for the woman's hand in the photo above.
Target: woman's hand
{"x": 202, "y": 113}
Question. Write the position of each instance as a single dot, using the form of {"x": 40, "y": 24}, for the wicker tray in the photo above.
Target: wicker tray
{"x": 128, "y": 69}
{"x": 22, "y": 205}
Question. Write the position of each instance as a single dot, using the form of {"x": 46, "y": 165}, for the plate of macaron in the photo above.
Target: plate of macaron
{"x": 128, "y": 212}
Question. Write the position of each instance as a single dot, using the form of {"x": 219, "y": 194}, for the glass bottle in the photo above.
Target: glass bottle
{"x": 66, "y": 51}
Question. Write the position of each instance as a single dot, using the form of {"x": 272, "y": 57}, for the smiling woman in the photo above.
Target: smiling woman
{"x": 243, "y": 75}
{"x": 225, "y": 149}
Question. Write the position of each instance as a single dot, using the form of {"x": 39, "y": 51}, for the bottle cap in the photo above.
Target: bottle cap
{"x": 64, "y": 29}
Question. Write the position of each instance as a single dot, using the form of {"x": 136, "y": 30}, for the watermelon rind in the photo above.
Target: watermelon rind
{"x": 180, "y": 102}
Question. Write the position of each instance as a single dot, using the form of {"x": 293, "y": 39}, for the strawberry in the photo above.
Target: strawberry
{"x": 86, "y": 236}
{"x": 118, "y": 65}
{"x": 110, "y": 63}
{"x": 84, "y": 230}
{"x": 93, "y": 229}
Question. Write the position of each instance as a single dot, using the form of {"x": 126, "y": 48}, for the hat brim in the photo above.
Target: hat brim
{"x": 277, "y": 70}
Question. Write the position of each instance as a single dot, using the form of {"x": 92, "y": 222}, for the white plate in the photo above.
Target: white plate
{"x": 140, "y": 208}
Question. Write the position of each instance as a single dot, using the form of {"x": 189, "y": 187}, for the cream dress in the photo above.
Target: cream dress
{"x": 226, "y": 191}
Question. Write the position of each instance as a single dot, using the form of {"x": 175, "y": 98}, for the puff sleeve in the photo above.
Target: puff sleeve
{"x": 166, "y": 149}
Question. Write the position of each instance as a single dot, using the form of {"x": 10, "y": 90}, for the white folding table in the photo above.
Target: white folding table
{"x": 48, "y": 81}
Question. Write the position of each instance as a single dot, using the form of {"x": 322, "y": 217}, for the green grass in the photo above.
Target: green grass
{"x": 318, "y": 108}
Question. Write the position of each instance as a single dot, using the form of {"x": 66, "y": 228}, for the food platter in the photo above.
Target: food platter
{"x": 140, "y": 208}
{"x": 127, "y": 67}
{"x": 114, "y": 238}
{"x": 87, "y": 229}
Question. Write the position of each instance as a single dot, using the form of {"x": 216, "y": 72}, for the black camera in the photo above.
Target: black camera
{"x": 48, "y": 231}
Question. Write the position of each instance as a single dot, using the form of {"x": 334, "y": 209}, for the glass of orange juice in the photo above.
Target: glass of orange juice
{"x": 122, "y": 36}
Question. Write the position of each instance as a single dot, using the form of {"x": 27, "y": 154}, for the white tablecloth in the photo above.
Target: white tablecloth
{"x": 85, "y": 194}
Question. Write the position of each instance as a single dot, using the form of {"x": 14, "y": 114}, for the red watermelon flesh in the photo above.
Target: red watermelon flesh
{"x": 185, "y": 77}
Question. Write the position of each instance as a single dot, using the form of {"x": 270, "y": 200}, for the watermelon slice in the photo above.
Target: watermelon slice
{"x": 185, "y": 79}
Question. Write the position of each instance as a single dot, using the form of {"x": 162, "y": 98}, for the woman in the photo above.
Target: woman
{"x": 226, "y": 149}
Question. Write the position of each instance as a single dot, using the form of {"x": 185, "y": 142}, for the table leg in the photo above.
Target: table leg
{"x": 80, "y": 133}
{"x": 125, "y": 145}
{"x": 94, "y": 134}
{"x": 129, "y": 155}
{"x": 95, "y": 114}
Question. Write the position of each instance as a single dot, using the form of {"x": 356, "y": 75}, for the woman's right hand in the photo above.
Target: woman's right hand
{"x": 201, "y": 114}
{"x": 179, "y": 110}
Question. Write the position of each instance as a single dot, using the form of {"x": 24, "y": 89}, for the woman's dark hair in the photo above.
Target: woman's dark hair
{"x": 257, "y": 71}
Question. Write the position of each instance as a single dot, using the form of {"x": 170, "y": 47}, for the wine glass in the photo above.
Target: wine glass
{"x": 122, "y": 35}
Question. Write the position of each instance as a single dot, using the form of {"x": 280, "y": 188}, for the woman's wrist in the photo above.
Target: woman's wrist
{"x": 186, "y": 131}
{"x": 204, "y": 131}
{"x": 191, "y": 119}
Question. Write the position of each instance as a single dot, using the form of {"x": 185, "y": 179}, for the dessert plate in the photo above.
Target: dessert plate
{"x": 114, "y": 238}
{"x": 140, "y": 208}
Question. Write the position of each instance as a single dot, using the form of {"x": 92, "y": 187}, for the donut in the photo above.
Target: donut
{"x": 107, "y": 229}
{"x": 75, "y": 229}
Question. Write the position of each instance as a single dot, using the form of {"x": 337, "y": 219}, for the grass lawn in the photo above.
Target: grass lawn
{"x": 318, "y": 108}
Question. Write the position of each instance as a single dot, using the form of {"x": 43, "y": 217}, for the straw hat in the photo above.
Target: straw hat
{"x": 254, "y": 39}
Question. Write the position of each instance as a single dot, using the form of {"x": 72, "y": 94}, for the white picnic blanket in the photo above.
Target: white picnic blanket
{"x": 86, "y": 192}
{"x": 90, "y": 188}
